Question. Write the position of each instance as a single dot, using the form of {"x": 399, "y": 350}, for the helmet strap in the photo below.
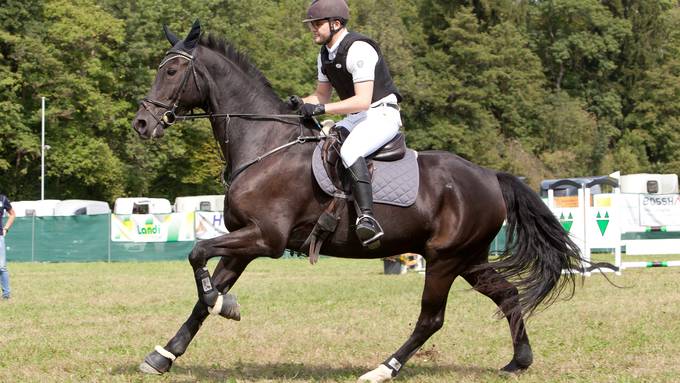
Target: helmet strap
{"x": 331, "y": 27}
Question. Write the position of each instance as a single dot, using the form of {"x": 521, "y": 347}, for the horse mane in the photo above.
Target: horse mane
{"x": 241, "y": 60}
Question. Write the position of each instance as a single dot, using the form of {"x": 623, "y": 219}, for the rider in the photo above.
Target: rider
{"x": 353, "y": 65}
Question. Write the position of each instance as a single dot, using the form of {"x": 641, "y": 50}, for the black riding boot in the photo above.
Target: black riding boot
{"x": 368, "y": 229}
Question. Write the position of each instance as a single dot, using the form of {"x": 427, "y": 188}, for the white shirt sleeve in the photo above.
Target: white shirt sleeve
{"x": 361, "y": 61}
{"x": 320, "y": 76}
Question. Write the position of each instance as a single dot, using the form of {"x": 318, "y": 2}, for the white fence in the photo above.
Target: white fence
{"x": 642, "y": 224}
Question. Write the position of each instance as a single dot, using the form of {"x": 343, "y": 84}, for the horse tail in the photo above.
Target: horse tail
{"x": 540, "y": 259}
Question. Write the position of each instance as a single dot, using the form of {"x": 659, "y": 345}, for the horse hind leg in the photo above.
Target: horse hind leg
{"x": 490, "y": 283}
{"x": 160, "y": 360}
{"x": 438, "y": 279}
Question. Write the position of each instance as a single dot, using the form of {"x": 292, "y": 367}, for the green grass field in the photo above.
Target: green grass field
{"x": 325, "y": 323}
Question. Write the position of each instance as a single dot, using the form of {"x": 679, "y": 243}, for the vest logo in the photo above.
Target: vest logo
{"x": 338, "y": 65}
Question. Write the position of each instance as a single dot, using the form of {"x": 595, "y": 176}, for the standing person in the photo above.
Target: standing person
{"x": 5, "y": 205}
{"x": 354, "y": 66}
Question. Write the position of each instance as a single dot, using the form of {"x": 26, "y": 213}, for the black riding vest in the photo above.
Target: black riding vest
{"x": 341, "y": 79}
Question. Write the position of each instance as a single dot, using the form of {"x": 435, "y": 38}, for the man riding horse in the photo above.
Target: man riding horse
{"x": 353, "y": 65}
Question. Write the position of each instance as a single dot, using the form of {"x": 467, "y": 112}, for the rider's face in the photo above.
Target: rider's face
{"x": 321, "y": 31}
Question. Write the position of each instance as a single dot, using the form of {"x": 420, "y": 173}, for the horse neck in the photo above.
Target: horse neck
{"x": 233, "y": 92}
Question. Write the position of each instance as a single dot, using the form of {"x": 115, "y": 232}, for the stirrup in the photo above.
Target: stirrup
{"x": 378, "y": 233}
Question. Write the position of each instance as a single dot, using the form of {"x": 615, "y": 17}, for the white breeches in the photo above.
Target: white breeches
{"x": 369, "y": 131}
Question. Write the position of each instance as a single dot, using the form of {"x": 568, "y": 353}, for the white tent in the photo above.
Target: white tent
{"x": 39, "y": 208}
{"x": 199, "y": 203}
{"x": 142, "y": 205}
{"x": 649, "y": 183}
{"x": 81, "y": 207}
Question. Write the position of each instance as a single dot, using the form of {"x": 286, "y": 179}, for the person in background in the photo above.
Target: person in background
{"x": 5, "y": 206}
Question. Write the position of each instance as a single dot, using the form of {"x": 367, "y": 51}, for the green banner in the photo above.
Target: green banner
{"x": 81, "y": 238}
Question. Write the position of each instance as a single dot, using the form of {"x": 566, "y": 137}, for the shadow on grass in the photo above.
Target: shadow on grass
{"x": 240, "y": 371}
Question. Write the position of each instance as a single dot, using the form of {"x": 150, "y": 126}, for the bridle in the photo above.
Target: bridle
{"x": 169, "y": 117}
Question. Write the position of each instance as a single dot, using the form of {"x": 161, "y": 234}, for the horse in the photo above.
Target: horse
{"x": 272, "y": 203}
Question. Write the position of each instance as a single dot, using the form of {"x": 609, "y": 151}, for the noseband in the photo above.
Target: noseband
{"x": 169, "y": 116}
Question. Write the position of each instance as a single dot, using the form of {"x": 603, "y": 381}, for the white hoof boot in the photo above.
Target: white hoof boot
{"x": 380, "y": 374}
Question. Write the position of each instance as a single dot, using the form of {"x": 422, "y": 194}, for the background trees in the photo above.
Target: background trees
{"x": 540, "y": 88}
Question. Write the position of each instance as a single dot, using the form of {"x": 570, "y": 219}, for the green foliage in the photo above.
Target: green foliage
{"x": 542, "y": 89}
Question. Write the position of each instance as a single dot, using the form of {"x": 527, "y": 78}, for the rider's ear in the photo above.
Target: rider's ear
{"x": 192, "y": 38}
{"x": 170, "y": 36}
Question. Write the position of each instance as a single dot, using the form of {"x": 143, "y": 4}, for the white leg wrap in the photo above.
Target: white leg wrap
{"x": 215, "y": 310}
{"x": 380, "y": 374}
{"x": 165, "y": 353}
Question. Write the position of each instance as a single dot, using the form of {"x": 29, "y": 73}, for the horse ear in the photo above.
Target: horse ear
{"x": 170, "y": 36}
{"x": 192, "y": 38}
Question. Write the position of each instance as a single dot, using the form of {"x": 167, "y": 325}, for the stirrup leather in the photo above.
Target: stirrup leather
{"x": 379, "y": 233}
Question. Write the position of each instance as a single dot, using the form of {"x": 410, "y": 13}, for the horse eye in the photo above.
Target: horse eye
{"x": 172, "y": 71}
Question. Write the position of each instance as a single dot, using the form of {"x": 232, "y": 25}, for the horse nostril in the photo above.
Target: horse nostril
{"x": 139, "y": 125}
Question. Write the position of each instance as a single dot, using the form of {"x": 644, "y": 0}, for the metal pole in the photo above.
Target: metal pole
{"x": 33, "y": 238}
{"x": 42, "y": 150}
{"x": 108, "y": 240}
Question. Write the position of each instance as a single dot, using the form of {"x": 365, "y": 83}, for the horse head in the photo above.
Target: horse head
{"x": 177, "y": 86}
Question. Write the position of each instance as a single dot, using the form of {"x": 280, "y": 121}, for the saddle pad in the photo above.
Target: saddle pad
{"x": 394, "y": 183}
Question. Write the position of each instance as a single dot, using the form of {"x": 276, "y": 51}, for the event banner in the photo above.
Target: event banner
{"x": 174, "y": 227}
{"x": 209, "y": 224}
{"x": 659, "y": 209}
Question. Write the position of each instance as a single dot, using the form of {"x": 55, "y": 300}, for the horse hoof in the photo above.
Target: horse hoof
{"x": 521, "y": 360}
{"x": 514, "y": 368}
{"x": 230, "y": 308}
{"x": 380, "y": 374}
{"x": 147, "y": 369}
{"x": 226, "y": 306}
{"x": 155, "y": 363}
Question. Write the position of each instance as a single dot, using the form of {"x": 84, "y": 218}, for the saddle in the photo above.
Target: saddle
{"x": 394, "y": 173}
{"x": 394, "y": 150}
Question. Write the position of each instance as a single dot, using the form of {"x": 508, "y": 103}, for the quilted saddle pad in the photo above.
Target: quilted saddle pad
{"x": 394, "y": 183}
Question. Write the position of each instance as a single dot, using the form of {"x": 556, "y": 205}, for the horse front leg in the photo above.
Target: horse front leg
{"x": 238, "y": 249}
{"x": 160, "y": 360}
{"x": 246, "y": 242}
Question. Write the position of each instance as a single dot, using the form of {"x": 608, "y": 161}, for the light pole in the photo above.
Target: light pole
{"x": 42, "y": 152}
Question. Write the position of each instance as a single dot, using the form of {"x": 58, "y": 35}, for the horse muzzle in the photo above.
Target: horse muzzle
{"x": 148, "y": 127}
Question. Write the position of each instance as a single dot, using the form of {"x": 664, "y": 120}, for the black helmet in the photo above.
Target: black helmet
{"x": 327, "y": 9}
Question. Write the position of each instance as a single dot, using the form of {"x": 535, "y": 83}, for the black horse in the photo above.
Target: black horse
{"x": 273, "y": 202}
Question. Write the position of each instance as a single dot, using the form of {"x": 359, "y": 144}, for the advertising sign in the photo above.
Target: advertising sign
{"x": 209, "y": 224}
{"x": 173, "y": 227}
{"x": 659, "y": 209}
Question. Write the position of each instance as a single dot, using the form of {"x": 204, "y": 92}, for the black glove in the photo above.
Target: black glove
{"x": 309, "y": 110}
{"x": 294, "y": 102}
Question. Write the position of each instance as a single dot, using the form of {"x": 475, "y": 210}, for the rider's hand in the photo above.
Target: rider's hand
{"x": 294, "y": 102}
{"x": 309, "y": 110}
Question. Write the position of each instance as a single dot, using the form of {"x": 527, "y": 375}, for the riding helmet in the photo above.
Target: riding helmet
{"x": 327, "y": 9}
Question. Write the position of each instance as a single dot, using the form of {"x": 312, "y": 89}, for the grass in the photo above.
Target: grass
{"x": 328, "y": 323}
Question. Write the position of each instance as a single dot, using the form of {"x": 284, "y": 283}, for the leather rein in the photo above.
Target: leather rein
{"x": 169, "y": 116}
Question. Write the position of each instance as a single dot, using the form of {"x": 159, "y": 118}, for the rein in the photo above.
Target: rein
{"x": 169, "y": 116}
{"x": 301, "y": 139}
